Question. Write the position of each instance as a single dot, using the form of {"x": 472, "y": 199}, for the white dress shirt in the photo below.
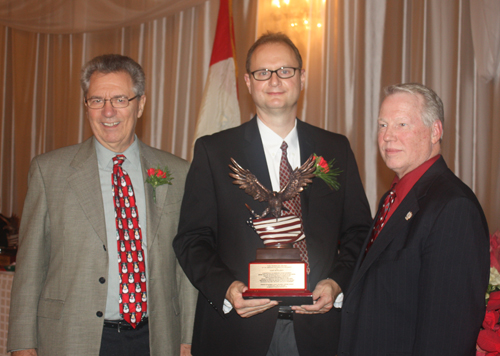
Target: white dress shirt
{"x": 271, "y": 142}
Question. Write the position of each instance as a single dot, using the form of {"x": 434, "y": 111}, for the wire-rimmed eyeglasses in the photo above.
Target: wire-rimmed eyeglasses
{"x": 266, "y": 74}
{"x": 118, "y": 102}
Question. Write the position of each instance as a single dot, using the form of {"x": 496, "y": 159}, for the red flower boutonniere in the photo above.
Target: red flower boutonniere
{"x": 325, "y": 171}
{"x": 157, "y": 177}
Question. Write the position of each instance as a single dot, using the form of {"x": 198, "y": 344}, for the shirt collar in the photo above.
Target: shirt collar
{"x": 272, "y": 141}
{"x": 105, "y": 156}
{"x": 405, "y": 184}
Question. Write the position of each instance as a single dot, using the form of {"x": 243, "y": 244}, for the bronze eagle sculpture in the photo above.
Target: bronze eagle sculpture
{"x": 299, "y": 178}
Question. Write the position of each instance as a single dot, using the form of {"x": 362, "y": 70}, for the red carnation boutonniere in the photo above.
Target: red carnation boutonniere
{"x": 157, "y": 177}
{"x": 325, "y": 171}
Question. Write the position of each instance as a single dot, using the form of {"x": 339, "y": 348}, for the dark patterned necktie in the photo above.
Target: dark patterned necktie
{"x": 131, "y": 264}
{"x": 293, "y": 205}
{"x": 381, "y": 216}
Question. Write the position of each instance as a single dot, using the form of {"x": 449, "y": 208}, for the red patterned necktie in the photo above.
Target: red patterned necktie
{"x": 381, "y": 216}
{"x": 293, "y": 205}
{"x": 132, "y": 269}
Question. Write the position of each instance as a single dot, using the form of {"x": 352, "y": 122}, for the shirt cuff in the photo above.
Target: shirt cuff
{"x": 339, "y": 301}
{"x": 227, "y": 307}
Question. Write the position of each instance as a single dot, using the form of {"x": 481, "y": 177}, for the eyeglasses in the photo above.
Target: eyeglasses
{"x": 266, "y": 74}
{"x": 118, "y": 102}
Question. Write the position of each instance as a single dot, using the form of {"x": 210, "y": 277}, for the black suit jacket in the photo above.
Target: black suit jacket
{"x": 420, "y": 289}
{"x": 214, "y": 244}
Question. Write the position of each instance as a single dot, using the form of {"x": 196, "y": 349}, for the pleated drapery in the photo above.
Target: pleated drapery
{"x": 361, "y": 47}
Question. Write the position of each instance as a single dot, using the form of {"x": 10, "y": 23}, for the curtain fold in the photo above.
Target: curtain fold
{"x": 361, "y": 47}
{"x": 42, "y": 103}
{"x": 486, "y": 36}
{"x": 75, "y": 16}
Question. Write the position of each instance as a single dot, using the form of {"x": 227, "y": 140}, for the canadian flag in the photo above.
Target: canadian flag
{"x": 219, "y": 107}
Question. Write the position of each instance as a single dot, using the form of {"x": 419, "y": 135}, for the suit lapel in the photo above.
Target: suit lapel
{"x": 390, "y": 231}
{"x": 398, "y": 220}
{"x": 307, "y": 148}
{"x": 254, "y": 153}
{"x": 86, "y": 184}
{"x": 153, "y": 209}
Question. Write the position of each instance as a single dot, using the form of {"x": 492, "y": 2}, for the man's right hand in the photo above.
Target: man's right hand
{"x": 28, "y": 352}
{"x": 246, "y": 307}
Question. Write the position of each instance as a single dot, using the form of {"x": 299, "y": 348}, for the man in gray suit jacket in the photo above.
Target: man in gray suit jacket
{"x": 418, "y": 288}
{"x": 66, "y": 295}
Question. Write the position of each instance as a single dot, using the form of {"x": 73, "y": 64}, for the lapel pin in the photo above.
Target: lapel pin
{"x": 408, "y": 216}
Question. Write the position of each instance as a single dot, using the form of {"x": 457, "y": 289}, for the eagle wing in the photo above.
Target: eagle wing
{"x": 249, "y": 182}
{"x": 299, "y": 178}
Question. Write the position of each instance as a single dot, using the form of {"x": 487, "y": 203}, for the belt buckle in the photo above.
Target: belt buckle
{"x": 285, "y": 315}
{"x": 119, "y": 325}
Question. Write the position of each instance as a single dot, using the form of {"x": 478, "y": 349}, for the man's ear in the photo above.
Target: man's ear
{"x": 142, "y": 103}
{"x": 437, "y": 131}
{"x": 247, "y": 82}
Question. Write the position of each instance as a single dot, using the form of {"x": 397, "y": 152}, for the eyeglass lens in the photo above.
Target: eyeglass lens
{"x": 265, "y": 74}
{"x": 118, "y": 102}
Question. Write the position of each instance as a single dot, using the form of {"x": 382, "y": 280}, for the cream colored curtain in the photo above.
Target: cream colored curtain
{"x": 361, "y": 46}
{"x": 74, "y": 16}
{"x": 41, "y": 104}
{"x": 368, "y": 45}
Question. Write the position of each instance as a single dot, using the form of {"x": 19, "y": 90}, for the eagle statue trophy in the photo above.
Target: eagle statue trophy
{"x": 299, "y": 178}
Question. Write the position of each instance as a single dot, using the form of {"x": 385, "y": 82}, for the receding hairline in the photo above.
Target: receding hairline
{"x": 273, "y": 38}
{"x": 114, "y": 63}
{"x": 431, "y": 105}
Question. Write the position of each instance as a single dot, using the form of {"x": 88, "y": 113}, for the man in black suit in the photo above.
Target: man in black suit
{"x": 214, "y": 244}
{"x": 420, "y": 287}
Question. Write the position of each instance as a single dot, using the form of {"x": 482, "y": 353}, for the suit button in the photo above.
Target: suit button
{"x": 102, "y": 280}
{"x": 99, "y": 314}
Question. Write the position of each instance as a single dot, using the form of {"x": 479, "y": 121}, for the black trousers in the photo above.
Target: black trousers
{"x": 125, "y": 342}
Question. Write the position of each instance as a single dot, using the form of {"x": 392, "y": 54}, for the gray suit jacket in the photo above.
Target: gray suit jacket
{"x": 58, "y": 295}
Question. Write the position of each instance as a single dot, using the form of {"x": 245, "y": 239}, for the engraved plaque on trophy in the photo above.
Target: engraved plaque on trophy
{"x": 278, "y": 273}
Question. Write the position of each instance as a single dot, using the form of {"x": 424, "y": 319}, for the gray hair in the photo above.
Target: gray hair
{"x": 112, "y": 63}
{"x": 432, "y": 106}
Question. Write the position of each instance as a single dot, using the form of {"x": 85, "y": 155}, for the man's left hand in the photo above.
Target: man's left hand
{"x": 185, "y": 350}
{"x": 324, "y": 295}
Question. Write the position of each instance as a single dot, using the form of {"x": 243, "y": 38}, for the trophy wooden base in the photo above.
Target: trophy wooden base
{"x": 289, "y": 297}
{"x": 278, "y": 274}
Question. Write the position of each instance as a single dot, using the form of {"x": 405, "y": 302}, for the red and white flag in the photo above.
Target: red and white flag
{"x": 219, "y": 106}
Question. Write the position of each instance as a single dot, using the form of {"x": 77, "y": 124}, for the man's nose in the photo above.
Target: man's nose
{"x": 274, "y": 80}
{"x": 389, "y": 134}
{"x": 108, "y": 110}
